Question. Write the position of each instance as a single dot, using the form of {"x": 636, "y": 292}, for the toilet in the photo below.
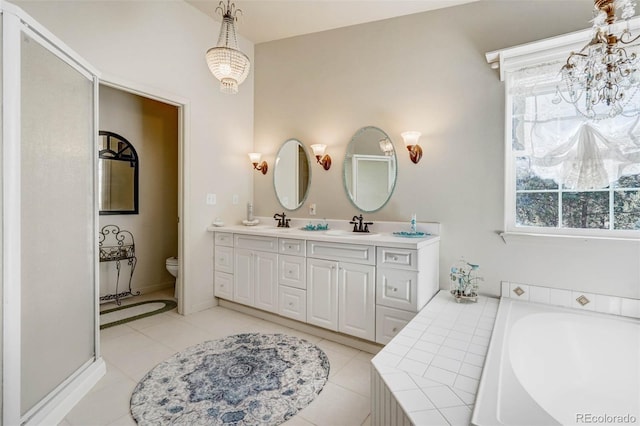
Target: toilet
{"x": 172, "y": 265}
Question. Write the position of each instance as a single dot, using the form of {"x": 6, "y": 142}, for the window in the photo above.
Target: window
{"x": 545, "y": 145}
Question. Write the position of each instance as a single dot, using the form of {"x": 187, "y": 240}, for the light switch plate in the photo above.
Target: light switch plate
{"x": 211, "y": 199}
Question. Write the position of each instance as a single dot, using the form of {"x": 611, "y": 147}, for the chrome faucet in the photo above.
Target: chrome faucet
{"x": 359, "y": 225}
{"x": 283, "y": 222}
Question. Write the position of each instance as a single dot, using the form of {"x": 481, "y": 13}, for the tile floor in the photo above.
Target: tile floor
{"x": 132, "y": 349}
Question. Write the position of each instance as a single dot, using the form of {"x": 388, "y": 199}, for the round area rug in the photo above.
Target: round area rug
{"x": 244, "y": 379}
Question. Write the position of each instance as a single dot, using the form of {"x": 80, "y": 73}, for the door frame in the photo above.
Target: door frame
{"x": 183, "y": 166}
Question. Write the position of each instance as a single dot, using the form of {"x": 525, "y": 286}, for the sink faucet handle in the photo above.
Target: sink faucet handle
{"x": 286, "y": 223}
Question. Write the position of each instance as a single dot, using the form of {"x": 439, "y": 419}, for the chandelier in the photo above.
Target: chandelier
{"x": 226, "y": 62}
{"x": 602, "y": 78}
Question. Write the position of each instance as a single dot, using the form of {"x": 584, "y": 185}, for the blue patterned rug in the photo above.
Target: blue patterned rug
{"x": 245, "y": 379}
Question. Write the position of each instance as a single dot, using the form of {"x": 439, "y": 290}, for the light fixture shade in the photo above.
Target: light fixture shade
{"x": 386, "y": 146}
{"x": 226, "y": 62}
{"x": 318, "y": 149}
{"x": 411, "y": 138}
{"x": 255, "y": 157}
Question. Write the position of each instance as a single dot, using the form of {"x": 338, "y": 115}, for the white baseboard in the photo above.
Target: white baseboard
{"x": 55, "y": 410}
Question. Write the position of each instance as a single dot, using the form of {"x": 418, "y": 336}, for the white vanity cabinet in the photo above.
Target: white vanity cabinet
{"x": 369, "y": 287}
{"x": 292, "y": 279}
{"x": 256, "y": 272}
{"x": 341, "y": 295}
{"x": 223, "y": 265}
{"x": 405, "y": 281}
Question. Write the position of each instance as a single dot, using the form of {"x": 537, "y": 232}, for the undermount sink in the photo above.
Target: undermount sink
{"x": 343, "y": 233}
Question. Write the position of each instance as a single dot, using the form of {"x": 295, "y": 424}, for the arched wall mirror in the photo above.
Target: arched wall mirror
{"x": 292, "y": 175}
{"x": 117, "y": 175}
{"x": 370, "y": 169}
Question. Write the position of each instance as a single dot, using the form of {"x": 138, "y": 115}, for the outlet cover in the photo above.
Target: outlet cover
{"x": 235, "y": 199}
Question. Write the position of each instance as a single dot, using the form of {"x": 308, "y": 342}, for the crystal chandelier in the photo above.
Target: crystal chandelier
{"x": 602, "y": 78}
{"x": 226, "y": 62}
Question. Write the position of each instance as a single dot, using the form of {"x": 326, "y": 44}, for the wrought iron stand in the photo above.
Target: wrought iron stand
{"x": 117, "y": 246}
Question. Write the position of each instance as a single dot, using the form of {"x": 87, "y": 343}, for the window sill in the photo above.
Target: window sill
{"x": 509, "y": 237}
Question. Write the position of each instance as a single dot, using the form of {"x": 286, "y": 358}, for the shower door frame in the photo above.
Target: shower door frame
{"x": 57, "y": 403}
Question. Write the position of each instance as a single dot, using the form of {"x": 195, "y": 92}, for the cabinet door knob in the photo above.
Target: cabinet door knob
{"x": 290, "y": 303}
{"x": 289, "y": 247}
{"x": 395, "y": 329}
{"x": 395, "y": 258}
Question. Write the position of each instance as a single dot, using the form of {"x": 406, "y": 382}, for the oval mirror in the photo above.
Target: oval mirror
{"x": 369, "y": 169}
{"x": 292, "y": 174}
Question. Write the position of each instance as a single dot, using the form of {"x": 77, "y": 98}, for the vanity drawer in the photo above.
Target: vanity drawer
{"x": 224, "y": 239}
{"x": 253, "y": 242}
{"x": 223, "y": 285}
{"x": 293, "y": 247}
{"x": 397, "y": 288}
{"x": 389, "y": 322}
{"x": 397, "y": 258}
{"x": 355, "y": 253}
{"x": 292, "y": 271}
{"x": 223, "y": 259}
{"x": 292, "y": 303}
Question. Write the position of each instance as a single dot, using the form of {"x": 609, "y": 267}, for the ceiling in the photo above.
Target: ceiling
{"x": 267, "y": 20}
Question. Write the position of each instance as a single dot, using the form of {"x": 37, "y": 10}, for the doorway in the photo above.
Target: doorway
{"x": 154, "y": 123}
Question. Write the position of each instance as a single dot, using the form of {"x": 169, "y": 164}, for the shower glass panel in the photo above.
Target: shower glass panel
{"x": 58, "y": 234}
{"x": 1, "y": 199}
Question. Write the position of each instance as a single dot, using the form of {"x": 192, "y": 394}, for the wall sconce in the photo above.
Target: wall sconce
{"x": 411, "y": 141}
{"x": 255, "y": 159}
{"x": 323, "y": 160}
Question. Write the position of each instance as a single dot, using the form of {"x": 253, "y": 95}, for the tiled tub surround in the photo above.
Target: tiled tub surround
{"x": 429, "y": 373}
{"x": 623, "y": 306}
{"x": 549, "y": 365}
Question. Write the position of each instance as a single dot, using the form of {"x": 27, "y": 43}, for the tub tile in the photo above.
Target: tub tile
{"x": 470, "y": 370}
{"x": 456, "y": 354}
{"x": 446, "y": 363}
{"x": 477, "y": 349}
{"x": 608, "y": 304}
{"x": 486, "y": 324}
{"x": 398, "y": 382}
{"x": 474, "y": 359}
{"x": 468, "y": 397}
{"x": 404, "y": 341}
{"x": 483, "y": 333}
{"x": 560, "y": 297}
{"x": 412, "y": 366}
{"x": 505, "y": 289}
{"x": 427, "y": 346}
{"x": 458, "y": 335}
{"x": 440, "y": 331}
{"x": 443, "y": 397}
{"x": 630, "y": 308}
{"x": 413, "y": 400}
{"x": 432, "y": 338}
{"x": 539, "y": 294}
{"x": 519, "y": 291}
{"x": 396, "y": 349}
{"x": 387, "y": 359}
{"x": 424, "y": 383}
{"x": 466, "y": 384}
{"x": 479, "y": 340}
{"x": 439, "y": 375}
{"x": 456, "y": 344}
{"x": 418, "y": 355}
{"x": 589, "y": 306}
{"x": 457, "y": 416}
{"x": 464, "y": 328}
{"x": 428, "y": 417}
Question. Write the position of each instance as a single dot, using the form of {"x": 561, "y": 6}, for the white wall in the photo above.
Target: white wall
{"x": 161, "y": 45}
{"x": 152, "y": 128}
{"x": 428, "y": 72}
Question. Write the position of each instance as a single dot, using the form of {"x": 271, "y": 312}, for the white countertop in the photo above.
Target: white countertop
{"x": 433, "y": 366}
{"x": 381, "y": 233}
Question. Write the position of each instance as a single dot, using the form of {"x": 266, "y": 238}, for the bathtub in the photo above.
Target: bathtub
{"x": 549, "y": 365}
